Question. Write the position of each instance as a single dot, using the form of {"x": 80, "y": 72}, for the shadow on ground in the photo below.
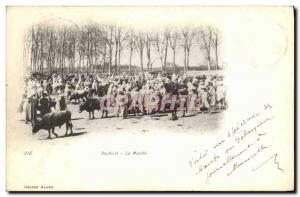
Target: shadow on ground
{"x": 78, "y": 129}
{"x": 64, "y": 136}
{"x": 76, "y": 118}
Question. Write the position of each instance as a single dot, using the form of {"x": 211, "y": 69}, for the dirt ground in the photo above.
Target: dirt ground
{"x": 146, "y": 124}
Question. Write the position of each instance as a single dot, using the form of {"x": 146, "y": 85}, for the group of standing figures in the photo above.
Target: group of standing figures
{"x": 123, "y": 95}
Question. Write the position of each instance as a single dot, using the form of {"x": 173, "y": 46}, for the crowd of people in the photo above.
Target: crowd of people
{"x": 142, "y": 93}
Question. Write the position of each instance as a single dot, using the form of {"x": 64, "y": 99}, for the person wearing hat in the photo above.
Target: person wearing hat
{"x": 95, "y": 86}
{"x": 202, "y": 93}
{"x": 68, "y": 90}
{"x": 110, "y": 96}
{"x": 61, "y": 103}
{"x": 211, "y": 96}
{"x": 34, "y": 108}
{"x": 49, "y": 87}
{"x": 39, "y": 89}
{"x": 28, "y": 110}
{"x": 220, "y": 94}
{"x": 44, "y": 104}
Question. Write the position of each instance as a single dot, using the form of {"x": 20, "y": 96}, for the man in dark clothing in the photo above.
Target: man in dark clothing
{"x": 49, "y": 88}
{"x": 44, "y": 105}
{"x": 101, "y": 91}
{"x": 28, "y": 111}
{"x": 175, "y": 91}
{"x": 62, "y": 103}
{"x": 90, "y": 93}
{"x": 174, "y": 87}
{"x": 34, "y": 108}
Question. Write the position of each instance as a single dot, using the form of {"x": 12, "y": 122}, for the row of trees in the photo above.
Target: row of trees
{"x": 71, "y": 48}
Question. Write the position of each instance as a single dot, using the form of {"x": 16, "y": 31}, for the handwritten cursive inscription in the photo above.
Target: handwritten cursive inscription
{"x": 243, "y": 145}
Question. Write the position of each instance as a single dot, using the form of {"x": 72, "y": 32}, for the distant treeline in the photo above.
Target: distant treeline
{"x": 100, "y": 47}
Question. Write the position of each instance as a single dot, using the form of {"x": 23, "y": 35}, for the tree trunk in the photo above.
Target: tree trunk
{"x": 188, "y": 59}
{"x": 104, "y": 58}
{"x": 185, "y": 59}
{"x": 130, "y": 58}
{"x": 110, "y": 52}
{"x": 31, "y": 57}
{"x": 208, "y": 63}
{"x": 70, "y": 64}
{"x": 95, "y": 56}
{"x": 49, "y": 61}
{"x": 74, "y": 54}
{"x": 88, "y": 52}
{"x": 149, "y": 58}
{"x": 49, "y": 55}
{"x": 63, "y": 65}
{"x": 166, "y": 55}
{"x": 35, "y": 57}
{"x": 79, "y": 65}
{"x": 116, "y": 56}
{"x": 42, "y": 56}
{"x": 217, "y": 60}
{"x": 142, "y": 66}
{"x": 174, "y": 65}
{"x": 119, "y": 59}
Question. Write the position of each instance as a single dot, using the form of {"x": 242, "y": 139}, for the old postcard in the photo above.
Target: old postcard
{"x": 150, "y": 98}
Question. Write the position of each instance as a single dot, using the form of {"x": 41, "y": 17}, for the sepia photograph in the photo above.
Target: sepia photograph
{"x": 99, "y": 70}
{"x": 150, "y": 98}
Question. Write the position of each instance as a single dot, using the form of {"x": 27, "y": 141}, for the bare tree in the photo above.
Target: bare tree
{"x": 60, "y": 49}
{"x": 81, "y": 48}
{"x": 188, "y": 35}
{"x": 121, "y": 40}
{"x": 33, "y": 50}
{"x": 116, "y": 47}
{"x": 166, "y": 44}
{"x": 97, "y": 45}
{"x": 51, "y": 48}
{"x": 110, "y": 44}
{"x": 26, "y": 50}
{"x": 174, "y": 38}
{"x": 42, "y": 37}
{"x": 159, "y": 49}
{"x": 205, "y": 42}
{"x": 104, "y": 42}
{"x": 162, "y": 42}
{"x": 139, "y": 45}
{"x": 149, "y": 41}
{"x": 130, "y": 45}
{"x": 216, "y": 43}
